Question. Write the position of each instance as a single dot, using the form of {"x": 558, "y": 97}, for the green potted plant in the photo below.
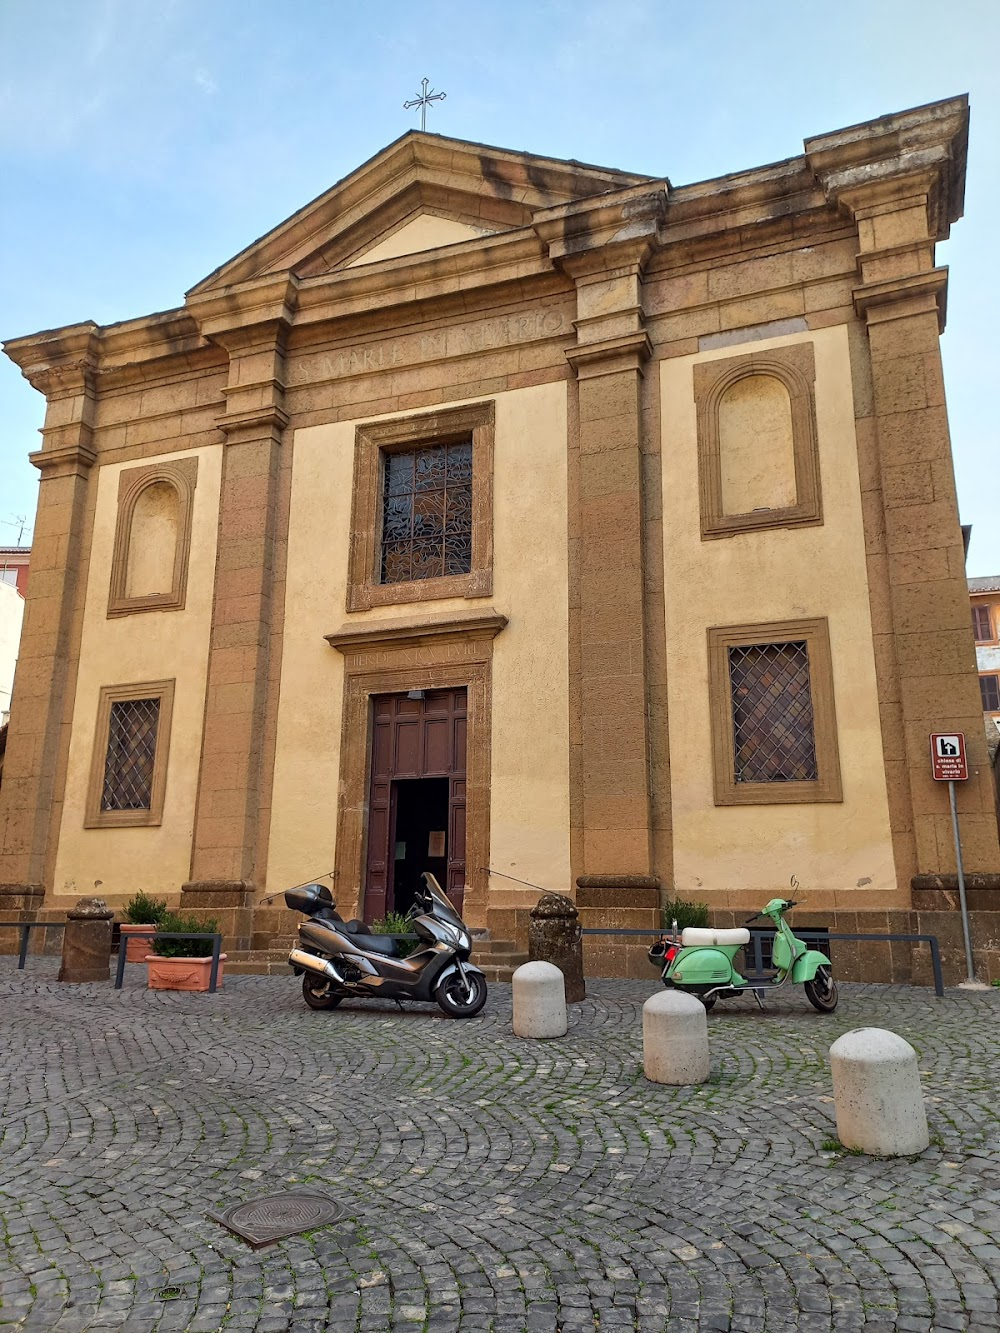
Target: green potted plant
{"x": 183, "y": 964}
{"x": 141, "y": 912}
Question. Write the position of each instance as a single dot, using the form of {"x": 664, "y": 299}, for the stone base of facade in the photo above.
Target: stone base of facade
{"x": 18, "y": 902}
{"x": 229, "y": 902}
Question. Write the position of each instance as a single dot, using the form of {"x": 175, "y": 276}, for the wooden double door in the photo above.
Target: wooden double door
{"x": 416, "y": 799}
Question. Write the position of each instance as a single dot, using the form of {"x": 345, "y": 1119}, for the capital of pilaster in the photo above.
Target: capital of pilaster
{"x": 629, "y": 352}
{"x": 607, "y": 231}
{"x": 258, "y": 423}
{"x": 247, "y": 317}
{"x": 74, "y": 459}
{"x": 900, "y": 298}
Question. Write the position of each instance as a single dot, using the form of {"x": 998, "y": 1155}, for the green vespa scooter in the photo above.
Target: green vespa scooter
{"x": 702, "y": 962}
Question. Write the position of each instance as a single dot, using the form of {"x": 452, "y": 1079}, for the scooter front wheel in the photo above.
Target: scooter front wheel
{"x": 462, "y": 999}
{"x": 821, "y": 992}
{"x": 317, "y": 993}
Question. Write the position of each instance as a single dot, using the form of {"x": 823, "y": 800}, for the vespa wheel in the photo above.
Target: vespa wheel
{"x": 317, "y": 993}
{"x": 462, "y": 999}
{"x": 821, "y": 992}
{"x": 708, "y": 1001}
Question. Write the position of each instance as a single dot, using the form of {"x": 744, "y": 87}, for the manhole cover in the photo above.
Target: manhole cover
{"x": 273, "y": 1216}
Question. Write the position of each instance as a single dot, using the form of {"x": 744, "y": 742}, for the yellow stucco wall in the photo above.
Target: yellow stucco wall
{"x": 424, "y": 232}
{"x": 767, "y": 576}
{"x": 529, "y": 808}
{"x": 151, "y": 645}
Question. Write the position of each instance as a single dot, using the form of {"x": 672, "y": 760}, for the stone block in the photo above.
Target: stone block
{"x": 675, "y": 1039}
{"x": 877, "y": 1094}
{"x": 86, "y": 952}
{"x": 539, "y": 995}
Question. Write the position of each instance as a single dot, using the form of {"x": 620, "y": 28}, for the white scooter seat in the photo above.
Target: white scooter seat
{"x": 699, "y": 935}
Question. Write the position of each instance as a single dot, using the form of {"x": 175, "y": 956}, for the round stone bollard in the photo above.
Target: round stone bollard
{"x": 877, "y": 1094}
{"x": 86, "y": 953}
{"x": 675, "y": 1039}
{"x": 539, "y": 1001}
{"x": 554, "y": 936}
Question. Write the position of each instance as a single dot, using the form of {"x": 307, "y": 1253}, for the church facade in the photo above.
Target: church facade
{"x": 552, "y": 527}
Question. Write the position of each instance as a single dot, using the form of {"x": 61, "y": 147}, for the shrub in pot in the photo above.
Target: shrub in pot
{"x": 183, "y": 964}
{"x": 141, "y": 912}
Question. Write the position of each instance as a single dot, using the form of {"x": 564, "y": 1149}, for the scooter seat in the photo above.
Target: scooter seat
{"x": 693, "y": 936}
{"x": 373, "y": 943}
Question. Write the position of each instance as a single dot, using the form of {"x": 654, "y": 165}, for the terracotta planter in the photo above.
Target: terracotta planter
{"x": 181, "y": 973}
{"x": 136, "y": 949}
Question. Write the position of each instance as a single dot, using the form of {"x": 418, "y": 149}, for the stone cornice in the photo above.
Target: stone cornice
{"x": 896, "y": 298}
{"x": 65, "y": 460}
{"x": 610, "y": 230}
{"x": 628, "y": 352}
{"x": 58, "y": 362}
{"x": 382, "y": 634}
{"x": 921, "y": 151}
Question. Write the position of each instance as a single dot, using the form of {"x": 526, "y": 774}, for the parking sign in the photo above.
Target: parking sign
{"x": 948, "y": 761}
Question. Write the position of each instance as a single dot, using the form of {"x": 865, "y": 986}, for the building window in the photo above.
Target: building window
{"x": 149, "y": 562}
{"x": 9, "y": 576}
{"x": 427, "y": 512}
{"x": 128, "y": 772}
{"x": 758, "y": 459}
{"x": 773, "y": 719}
{"x": 422, "y": 513}
{"x": 981, "y": 626}
{"x": 989, "y": 687}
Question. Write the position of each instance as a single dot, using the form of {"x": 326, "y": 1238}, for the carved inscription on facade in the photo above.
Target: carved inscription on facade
{"x": 460, "y": 340}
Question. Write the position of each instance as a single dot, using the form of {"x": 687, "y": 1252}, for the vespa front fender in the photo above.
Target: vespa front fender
{"x": 808, "y": 964}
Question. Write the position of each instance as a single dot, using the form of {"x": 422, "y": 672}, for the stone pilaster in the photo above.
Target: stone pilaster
{"x": 903, "y": 203}
{"x": 63, "y": 369}
{"x": 610, "y": 728}
{"x": 225, "y": 851}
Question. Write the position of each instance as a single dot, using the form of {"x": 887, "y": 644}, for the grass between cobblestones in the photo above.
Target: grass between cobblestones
{"x": 488, "y": 1183}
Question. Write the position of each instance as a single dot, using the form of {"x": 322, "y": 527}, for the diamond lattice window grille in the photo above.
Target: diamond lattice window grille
{"x": 427, "y": 513}
{"x": 128, "y": 768}
{"x": 773, "y": 726}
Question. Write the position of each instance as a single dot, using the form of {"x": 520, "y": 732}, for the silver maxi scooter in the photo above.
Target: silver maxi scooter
{"x": 338, "y": 958}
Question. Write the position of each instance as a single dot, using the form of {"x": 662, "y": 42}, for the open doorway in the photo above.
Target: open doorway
{"x": 420, "y": 837}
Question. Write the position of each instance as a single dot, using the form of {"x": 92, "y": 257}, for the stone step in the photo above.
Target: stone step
{"x": 492, "y": 973}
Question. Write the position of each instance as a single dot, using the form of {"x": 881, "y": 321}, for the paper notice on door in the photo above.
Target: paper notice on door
{"x": 435, "y": 843}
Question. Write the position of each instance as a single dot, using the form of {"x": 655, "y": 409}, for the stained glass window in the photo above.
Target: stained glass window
{"x": 427, "y": 513}
{"x": 773, "y": 724}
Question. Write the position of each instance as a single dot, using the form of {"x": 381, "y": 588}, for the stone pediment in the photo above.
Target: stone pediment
{"x": 421, "y": 193}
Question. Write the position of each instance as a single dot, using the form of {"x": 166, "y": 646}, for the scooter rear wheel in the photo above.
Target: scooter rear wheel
{"x": 822, "y": 991}
{"x": 459, "y": 1001}
{"x": 316, "y": 992}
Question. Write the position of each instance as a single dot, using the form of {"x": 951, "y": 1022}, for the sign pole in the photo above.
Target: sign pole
{"x": 970, "y": 966}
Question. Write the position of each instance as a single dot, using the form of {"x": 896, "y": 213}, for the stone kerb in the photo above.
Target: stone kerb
{"x": 675, "y": 1039}
{"x": 554, "y": 936}
{"x": 877, "y": 1094}
{"x": 539, "y": 1001}
{"x": 86, "y": 954}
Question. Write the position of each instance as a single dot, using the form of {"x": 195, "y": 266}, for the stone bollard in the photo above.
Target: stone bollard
{"x": 877, "y": 1094}
{"x": 554, "y": 937}
{"x": 675, "y": 1039}
{"x": 539, "y": 1001}
{"x": 86, "y": 954}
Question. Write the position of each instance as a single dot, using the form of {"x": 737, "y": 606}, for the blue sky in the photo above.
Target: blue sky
{"x": 143, "y": 142}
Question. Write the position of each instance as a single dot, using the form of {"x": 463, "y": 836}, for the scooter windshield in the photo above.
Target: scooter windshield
{"x": 443, "y": 906}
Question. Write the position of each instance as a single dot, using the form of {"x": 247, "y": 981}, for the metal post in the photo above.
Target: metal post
{"x": 970, "y": 966}
{"x": 213, "y": 975}
{"x": 120, "y": 973}
{"x": 936, "y": 964}
{"x": 22, "y": 952}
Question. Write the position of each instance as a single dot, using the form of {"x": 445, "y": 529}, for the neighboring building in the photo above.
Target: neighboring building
{"x": 545, "y": 524}
{"x": 13, "y": 581}
{"x": 14, "y": 562}
{"x": 984, "y": 594}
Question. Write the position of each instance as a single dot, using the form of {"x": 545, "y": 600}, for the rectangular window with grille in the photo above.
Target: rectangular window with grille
{"x": 774, "y": 738}
{"x": 989, "y": 687}
{"x": 774, "y": 730}
{"x": 981, "y": 626}
{"x": 128, "y": 771}
{"x": 427, "y": 512}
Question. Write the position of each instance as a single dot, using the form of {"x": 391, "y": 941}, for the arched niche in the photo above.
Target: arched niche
{"x": 758, "y": 460}
{"x": 756, "y": 446}
{"x": 152, "y": 537}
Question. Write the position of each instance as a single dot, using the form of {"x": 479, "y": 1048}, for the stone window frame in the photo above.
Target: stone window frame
{"x": 373, "y": 440}
{"x": 182, "y": 474}
{"x": 95, "y": 817}
{"x": 795, "y": 368}
{"x": 815, "y": 632}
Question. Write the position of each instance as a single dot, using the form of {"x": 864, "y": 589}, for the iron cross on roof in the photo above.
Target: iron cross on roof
{"x": 427, "y": 96}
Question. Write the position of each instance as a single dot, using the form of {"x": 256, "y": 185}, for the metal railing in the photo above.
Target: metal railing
{"x": 154, "y": 934}
{"x": 810, "y": 936}
{"x": 25, "y": 927}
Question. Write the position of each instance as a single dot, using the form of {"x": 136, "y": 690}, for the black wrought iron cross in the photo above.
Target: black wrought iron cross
{"x": 427, "y": 96}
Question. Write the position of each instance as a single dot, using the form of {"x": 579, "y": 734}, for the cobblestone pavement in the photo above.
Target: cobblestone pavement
{"x": 488, "y": 1183}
